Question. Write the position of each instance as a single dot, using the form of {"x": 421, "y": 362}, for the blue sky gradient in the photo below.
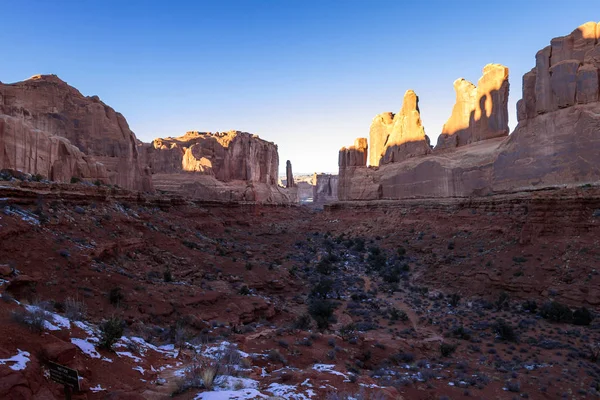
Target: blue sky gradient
{"x": 307, "y": 75}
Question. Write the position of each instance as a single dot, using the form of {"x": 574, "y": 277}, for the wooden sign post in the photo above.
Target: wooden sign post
{"x": 65, "y": 376}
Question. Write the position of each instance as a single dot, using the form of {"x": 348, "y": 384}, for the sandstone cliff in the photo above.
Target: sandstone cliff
{"x": 480, "y": 112}
{"x": 394, "y": 138}
{"x": 225, "y": 166}
{"x": 557, "y": 140}
{"x": 325, "y": 188}
{"x": 50, "y": 128}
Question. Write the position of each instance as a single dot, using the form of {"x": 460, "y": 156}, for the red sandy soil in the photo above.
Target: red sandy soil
{"x": 244, "y": 273}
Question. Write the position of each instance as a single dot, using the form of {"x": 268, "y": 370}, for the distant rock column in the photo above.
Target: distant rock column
{"x": 289, "y": 183}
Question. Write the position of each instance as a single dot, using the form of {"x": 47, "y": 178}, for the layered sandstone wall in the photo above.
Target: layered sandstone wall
{"x": 325, "y": 189}
{"x": 223, "y": 166}
{"x": 557, "y": 140}
{"x": 43, "y": 110}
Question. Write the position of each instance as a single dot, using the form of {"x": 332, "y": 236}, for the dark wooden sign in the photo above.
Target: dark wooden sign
{"x": 65, "y": 376}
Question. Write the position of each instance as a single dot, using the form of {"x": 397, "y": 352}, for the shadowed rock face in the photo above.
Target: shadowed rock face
{"x": 394, "y": 138}
{"x": 556, "y": 142}
{"x": 50, "y": 128}
{"x": 289, "y": 175}
{"x": 480, "y": 112}
{"x": 325, "y": 188}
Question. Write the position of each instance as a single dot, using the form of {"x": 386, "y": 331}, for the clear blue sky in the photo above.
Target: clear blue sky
{"x": 307, "y": 75}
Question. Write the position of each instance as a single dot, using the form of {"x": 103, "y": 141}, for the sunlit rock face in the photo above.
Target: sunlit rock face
{"x": 227, "y": 156}
{"x": 480, "y": 112}
{"x": 355, "y": 155}
{"x": 50, "y": 128}
{"x": 223, "y": 166}
{"x": 394, "y": 138}
{"x": 556, "y": 142}
{"x": 566, "y": 73}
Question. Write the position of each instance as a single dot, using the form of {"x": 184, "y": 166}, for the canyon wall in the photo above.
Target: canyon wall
{"x": 224, "y": 166}
{"x": 48, "y": 127}
{"x": 325, "y": 189}
{"x": 556, "y": 142}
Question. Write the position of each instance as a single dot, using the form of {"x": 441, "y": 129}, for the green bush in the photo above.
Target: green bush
{"x": 110, "y": 332}
{"x": 322, "y": 312}
{"x": 530, "y": 306}
{"x": 446, "y": 349}
{"x": 582, "y": 316}
{"x": 303, "y": 322}
{"x": 115, "y": 296}
{"x": 556, "y": 312}
{"x": 454, "y": 299}
{"x": 505, "y": 331}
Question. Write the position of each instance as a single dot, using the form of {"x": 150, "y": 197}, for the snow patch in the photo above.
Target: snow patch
{"x": 19, "y": 361}
{"x": 87, "y": 347}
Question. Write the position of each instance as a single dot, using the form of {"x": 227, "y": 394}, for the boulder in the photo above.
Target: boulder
{"x": 60, "y": 351}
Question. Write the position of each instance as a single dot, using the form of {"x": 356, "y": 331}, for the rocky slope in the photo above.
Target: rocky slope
{"x": 49, "y": 128}
{"x": 406, "y": 299}
{"x": 555, "y": 143}
{"x": 224, "y": 166}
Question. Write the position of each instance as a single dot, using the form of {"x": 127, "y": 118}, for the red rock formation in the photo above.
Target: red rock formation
{"x": 50, "y": 128}
{"x": 394, "y": 138}
{"x": 557, "y": 140}
{"x": 33, "y": 151}
{"x": 289, "y": 182}
{"x": 228, "y": 166}
{"x": 566, "y": 73}
{"x": 480, "y": 112}
{"x": 354, "y": 156}
{"x": 325, "y": 188}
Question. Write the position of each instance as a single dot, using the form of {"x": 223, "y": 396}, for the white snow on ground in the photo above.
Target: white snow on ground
{"x": 244, "y": 394}
{"x": 97, "y": 388}
{"x": 288, "y": 392}
{"x": 230, "y": 387}
{"x": 140, "y": 369}
{"x": 54, "y": 321}
{"x": 19, "y": 361}
{"x": 87, "y": 328}
{"x": 128, "y": 354}
{"x": 87, "y": 347}
{"x": 25, "y": 215}
{"x": 328, "y": 368}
